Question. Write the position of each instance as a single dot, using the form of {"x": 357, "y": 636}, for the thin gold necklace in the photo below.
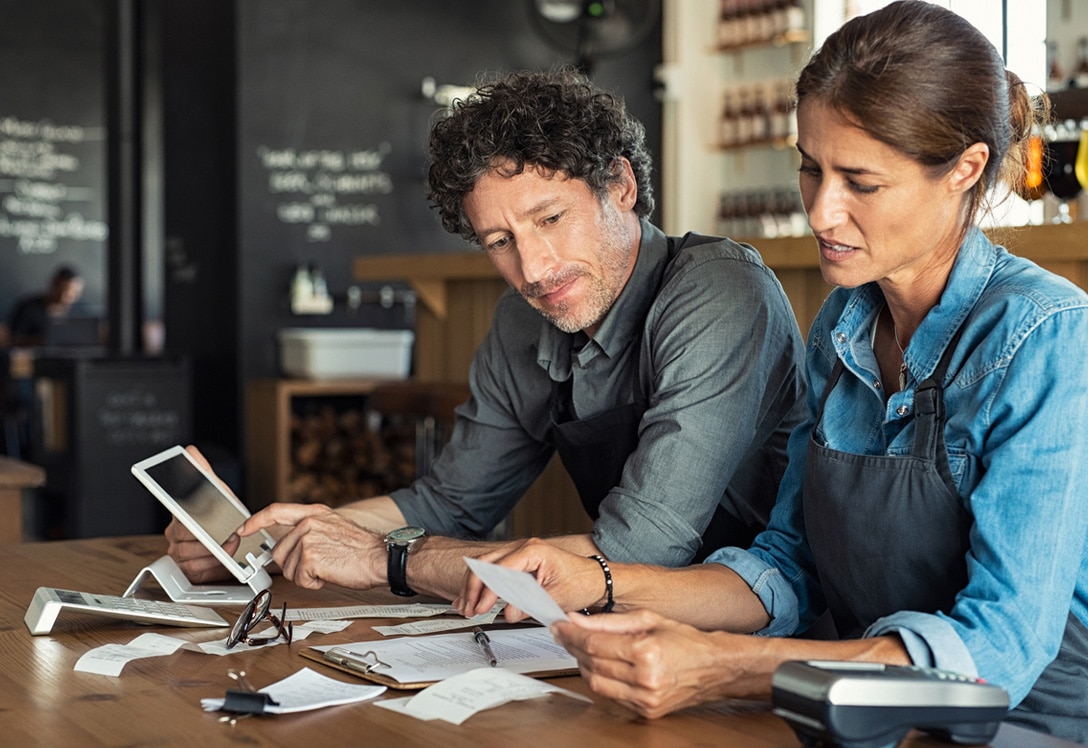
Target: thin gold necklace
{"x": 903, "y": 355}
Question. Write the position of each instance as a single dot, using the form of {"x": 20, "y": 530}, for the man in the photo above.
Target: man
{"x": 29, "y": 319}
{"x": 665, "y": 372}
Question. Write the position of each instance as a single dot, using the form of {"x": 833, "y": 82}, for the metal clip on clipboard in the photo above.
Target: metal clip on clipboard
{"x": 365, "y": 663}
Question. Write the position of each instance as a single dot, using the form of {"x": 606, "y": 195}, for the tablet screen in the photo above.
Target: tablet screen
{"x": 204, "y": 502}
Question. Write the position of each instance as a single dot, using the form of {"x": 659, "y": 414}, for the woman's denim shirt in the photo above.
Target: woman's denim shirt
{"x": 1017, "y": 440}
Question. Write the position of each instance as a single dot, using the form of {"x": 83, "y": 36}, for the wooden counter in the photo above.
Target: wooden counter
{"x": 458, "y": 292}
{"x": 15, "y": 477}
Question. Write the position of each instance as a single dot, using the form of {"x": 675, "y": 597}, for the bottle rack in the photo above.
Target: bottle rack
{"x": 748, "y": 23}
{"x": 757, "y": 117}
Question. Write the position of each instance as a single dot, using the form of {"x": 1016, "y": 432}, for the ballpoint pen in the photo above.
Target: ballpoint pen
{"x": 484, "y": 641}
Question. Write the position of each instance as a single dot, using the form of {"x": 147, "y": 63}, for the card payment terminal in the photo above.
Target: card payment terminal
{"x": 870, "y": 705}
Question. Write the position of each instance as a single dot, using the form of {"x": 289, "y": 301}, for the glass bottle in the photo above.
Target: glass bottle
{"x": 761, "y": 116}
{"x": 727, "y": 128}
{"x": 728, "y": 19}
{"x": 780, "y": 113}
{"x": 1033, "y": 179}
{"x": 1055, "y": 76}
{"x": 1059, "y": 162}
{"x": 795, "y": 17}
{"x": 1080, "y": 74}
{"x": 1080, "y": 167}
{"x": 744, "y": 118}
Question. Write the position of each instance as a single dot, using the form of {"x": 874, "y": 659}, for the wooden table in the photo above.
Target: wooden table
{"x": 15, "y": 477}
{"x": 156, "y": 701}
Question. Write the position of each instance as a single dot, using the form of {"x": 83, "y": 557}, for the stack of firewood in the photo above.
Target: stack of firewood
{"x": 342, "y": 454}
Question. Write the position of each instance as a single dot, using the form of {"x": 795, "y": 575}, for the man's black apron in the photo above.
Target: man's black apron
{"x": 890, "y": 533}
{"x": 594, "y": 450}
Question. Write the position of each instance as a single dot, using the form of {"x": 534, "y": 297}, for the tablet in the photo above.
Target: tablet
{"x": 209, "y": 510}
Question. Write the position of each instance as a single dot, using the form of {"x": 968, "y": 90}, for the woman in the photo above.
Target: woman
{"x": 933, "y": 502}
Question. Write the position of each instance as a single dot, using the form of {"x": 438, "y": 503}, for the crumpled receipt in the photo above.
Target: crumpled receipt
{"x": 458, "y": 698}
{"x": 110, "y": 659}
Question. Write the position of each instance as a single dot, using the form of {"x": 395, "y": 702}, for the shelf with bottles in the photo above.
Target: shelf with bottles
{"x": 1056, "y": 77}
{"x": 757, "y": 23}
{"x": 770, "y": 213}
{"x": 758, "y": 115}
{"x": 1059, "y": 168}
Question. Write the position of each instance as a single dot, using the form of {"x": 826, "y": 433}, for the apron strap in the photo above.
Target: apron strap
{"x": 929, "y": 413}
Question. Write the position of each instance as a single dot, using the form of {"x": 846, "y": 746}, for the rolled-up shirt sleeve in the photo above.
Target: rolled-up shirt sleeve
{"x": 768, "y": 583}
{"x": 930, "y": 641}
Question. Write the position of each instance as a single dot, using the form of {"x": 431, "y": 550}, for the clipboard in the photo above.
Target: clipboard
{"x": 368, "y": 674}
{"x": 355, "y": 660}
{"x": 376, "y": 677}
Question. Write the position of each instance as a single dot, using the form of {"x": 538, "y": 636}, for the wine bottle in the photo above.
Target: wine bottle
{"x": 1033, "y": 179}
{"x": 1080, "y": 75}
{"x": 1080, "y": 166}
{"x": 1055, "y": 76}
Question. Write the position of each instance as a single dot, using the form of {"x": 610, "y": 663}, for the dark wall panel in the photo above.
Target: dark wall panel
{"x": 52, "y": 146}
{"x": 332, "y": 134}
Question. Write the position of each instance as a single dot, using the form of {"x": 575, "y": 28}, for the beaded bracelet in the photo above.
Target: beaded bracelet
{"x": 607, "y": 582}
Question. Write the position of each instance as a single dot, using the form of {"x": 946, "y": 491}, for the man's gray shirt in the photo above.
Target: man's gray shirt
{"x": 714, "y": 343}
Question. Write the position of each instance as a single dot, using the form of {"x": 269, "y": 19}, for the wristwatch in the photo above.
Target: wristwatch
{"x": 399, "y": 542}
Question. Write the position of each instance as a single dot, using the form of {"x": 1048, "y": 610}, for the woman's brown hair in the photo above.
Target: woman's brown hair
{"x": 925, "y": 81}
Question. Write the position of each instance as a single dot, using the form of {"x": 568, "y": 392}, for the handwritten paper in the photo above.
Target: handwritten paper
{"x": 458, "y": 698}
{"x": 433, "y": 658}
{"x": 518, "y": 588}
{"x": 306, "y": 690}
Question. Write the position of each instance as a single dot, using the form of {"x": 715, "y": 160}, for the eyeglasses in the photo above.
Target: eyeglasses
{"x": 253, "y": 614}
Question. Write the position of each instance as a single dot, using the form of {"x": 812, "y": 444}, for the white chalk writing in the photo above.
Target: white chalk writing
{"x": 40, "y": 203}
{"x": 313, "y": 182}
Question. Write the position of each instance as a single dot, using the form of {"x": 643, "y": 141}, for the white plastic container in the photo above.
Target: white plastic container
{"x": 345, "y": 353}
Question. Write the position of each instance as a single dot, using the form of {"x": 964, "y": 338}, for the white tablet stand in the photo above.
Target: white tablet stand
{"x": 174, "y": 582}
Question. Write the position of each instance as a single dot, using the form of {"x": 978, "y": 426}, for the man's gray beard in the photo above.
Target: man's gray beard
{"x": 602, "y": 302}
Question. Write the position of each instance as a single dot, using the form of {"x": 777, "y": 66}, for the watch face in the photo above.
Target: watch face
{"x": 403, "y": 535}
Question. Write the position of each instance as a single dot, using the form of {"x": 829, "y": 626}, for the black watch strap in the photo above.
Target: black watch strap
{"x": 397, "y": 570}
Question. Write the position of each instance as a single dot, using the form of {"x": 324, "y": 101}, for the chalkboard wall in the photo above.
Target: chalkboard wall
{"x": 52, "y": 146}
{"x": 332, "y": 134}
{"x": 293, "y": 132}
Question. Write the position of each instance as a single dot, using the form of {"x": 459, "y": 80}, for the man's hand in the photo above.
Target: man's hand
{"x": 321, "y": 546}
{"x": 654, "y": 665}
{"x": 574, "y": 581}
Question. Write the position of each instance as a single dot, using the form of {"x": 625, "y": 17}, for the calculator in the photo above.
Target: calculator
{"x": 48, "y": 603}
{"x": 870, "y": 705}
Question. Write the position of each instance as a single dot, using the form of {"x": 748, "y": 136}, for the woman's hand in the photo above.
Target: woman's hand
{"x": 195, "y": 561}
{"x": 574, "y": 582}
{"x": 655, "y": 666}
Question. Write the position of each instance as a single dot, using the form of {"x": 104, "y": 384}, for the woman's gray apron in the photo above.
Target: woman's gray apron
{"x": 594, "y": 450}
{"x": 891, "y": 533}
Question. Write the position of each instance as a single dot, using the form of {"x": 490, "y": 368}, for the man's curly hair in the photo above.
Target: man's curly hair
{"x": 557, "y": 120}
